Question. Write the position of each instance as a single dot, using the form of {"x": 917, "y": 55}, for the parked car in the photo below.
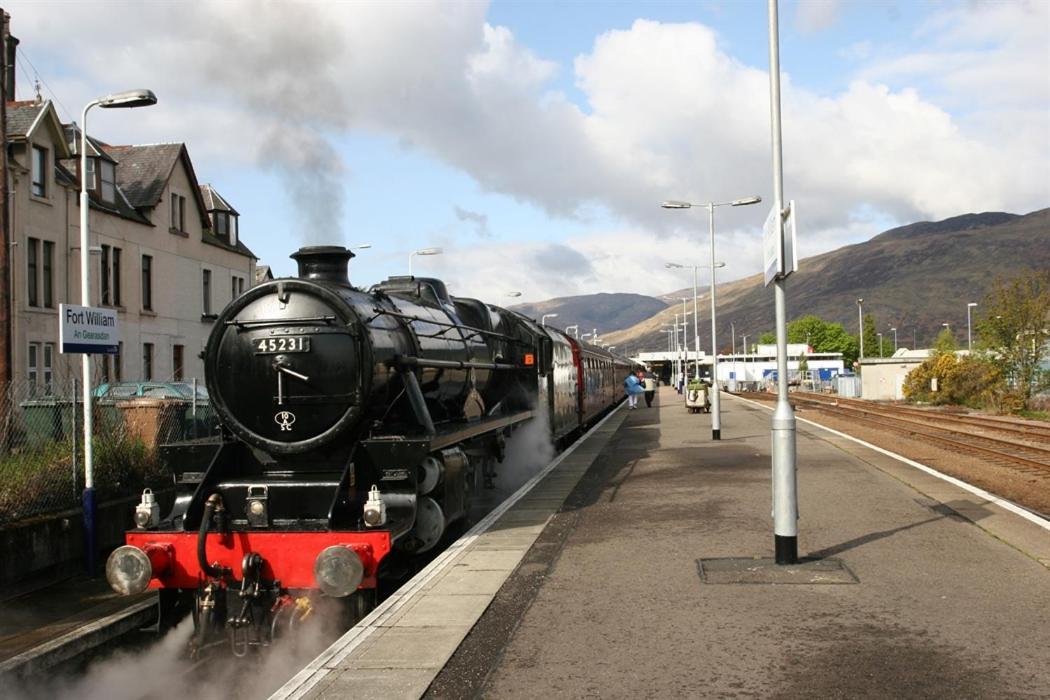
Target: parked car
{"x": 155, "y": 390}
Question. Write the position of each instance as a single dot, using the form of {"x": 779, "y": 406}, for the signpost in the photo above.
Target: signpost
{"x": 87, "y": 329}
{"x": 779, "y": 253}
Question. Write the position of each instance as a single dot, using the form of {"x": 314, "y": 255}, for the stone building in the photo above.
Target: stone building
{"x": 165, "y": 251}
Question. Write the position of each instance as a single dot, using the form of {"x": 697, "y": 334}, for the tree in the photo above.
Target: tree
{"x": 945, "y": 344}
{"x": 767, "y": 338}
{"x": 1015, "y": 327}
{"x": 871, "y": 337}
{"x": 823, "y": 336}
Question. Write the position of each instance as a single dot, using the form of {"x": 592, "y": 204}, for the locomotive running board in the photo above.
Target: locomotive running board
{"x": 461, "y": 433}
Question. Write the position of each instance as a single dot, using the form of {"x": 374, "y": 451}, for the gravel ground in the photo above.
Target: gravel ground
{"x": 1030, "y": 489}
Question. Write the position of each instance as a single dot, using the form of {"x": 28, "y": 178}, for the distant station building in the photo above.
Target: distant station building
{"x": 751, "y": 371}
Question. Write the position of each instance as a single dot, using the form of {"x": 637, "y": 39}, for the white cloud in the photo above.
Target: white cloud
{"x": 816, "y": 15}
{"x": 668, "y": 114}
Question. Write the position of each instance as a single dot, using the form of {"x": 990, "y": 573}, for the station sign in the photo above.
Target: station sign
{"x": 90, "y": 330}
{"x": 779, "y": 249}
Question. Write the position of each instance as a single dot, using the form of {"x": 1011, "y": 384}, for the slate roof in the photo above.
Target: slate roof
{"x": 213, "y": 201}
{"x": 144, "y": 170}
{"x": 95, "y": 147}
{"x": 21, "y": 115}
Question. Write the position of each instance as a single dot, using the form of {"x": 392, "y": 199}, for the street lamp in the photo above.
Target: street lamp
{"x": 880, "y": 343}
{"x": 120, "y": 100}
{"x": 745, "y": 356}
{"x": 575, "y": 329}
{"x": 424, "y": 251}
{"x": 544, "y": 317}
{"x": 969, "y": 329}
{"x": 716, "y": 413}
{"x": 860, "y": 325}
{"x": 894, "y": 340}
{"x": 512, "y": 294}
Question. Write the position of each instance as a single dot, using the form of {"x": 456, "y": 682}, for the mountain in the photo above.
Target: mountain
{"x": 914, "y": 278}
{"x": 606, "y": 312}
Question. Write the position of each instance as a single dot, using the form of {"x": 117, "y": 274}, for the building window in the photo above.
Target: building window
{"x": 49, "y": 265}
{"x": 176, "y": 362}
{"x": 105, "y": 369}
{"x": 32, "y": 257}
{"x": 236, "y": 286}
{"x": 109, "y": 181}
{"x": 89, "y": 178}
{"x": 39, "y": 171}
{"x": 178, "y": 213}
{"x": 147, "y": 282}
{"x": 222, "y": 224}
{"x": 110, "y": 276}
{"x": 103, "y": 279}
{"x": 147, "y": 362}
{"x": 118, "y": 373}
{"x": 206, "y": 290}
{"x": 34, "y": 367}
{"x": 49, "y": 356}
{"x": 116, "y": 277}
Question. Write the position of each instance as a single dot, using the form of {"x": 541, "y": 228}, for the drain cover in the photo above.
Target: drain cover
{"x": 756, "y": 570}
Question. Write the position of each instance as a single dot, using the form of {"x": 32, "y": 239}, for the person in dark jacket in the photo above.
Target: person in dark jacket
{"x": 649, "y": 384}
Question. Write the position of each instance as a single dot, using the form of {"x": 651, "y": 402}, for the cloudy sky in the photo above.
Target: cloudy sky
{"x": 533, "y": 141}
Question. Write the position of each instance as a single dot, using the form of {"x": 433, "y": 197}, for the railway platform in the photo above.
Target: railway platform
{"x": 638, "y": 566}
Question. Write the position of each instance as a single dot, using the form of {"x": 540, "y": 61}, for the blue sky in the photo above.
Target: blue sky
{"x": 533, "y": 141}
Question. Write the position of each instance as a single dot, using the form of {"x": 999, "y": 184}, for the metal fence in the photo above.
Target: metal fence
{"x": 42, "y": 451}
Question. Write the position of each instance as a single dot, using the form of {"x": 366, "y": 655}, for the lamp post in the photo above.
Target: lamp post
{"x": 716, "y": 412}
{"x": 894, "y": 340}
{"x": 880, "y": 343}
{"x": 860, "y": 325}
{"x": 424, "y": 251}
{"x": 745, "y": 356}
{"x": 969, "y": 328}
{"x": 575, "y": 329}
{"x": 120, "y": 100}
{"x": 544, "y": 317}
{"x": 685, "y": 336}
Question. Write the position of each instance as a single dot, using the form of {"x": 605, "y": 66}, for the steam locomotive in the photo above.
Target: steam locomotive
{"x": 355, "y": 423}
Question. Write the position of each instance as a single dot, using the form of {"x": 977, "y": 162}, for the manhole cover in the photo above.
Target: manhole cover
{"x": 756, "y": 570}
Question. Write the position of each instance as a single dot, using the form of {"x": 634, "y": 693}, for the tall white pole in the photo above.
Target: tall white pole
{"x": 716, "y": 413}
{"x": 969, "y": 329}
{"x": 88, "y": 503}
{"x": 785, "y": 479}
{"x": 696, "y": 326}
{"x": 685, "y": 335}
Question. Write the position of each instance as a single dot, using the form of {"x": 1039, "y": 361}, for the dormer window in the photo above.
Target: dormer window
{"x": 109, "y": 181}
{"x": 222, "y": 224}
{"x": 40, "y": 161}
{"x": 89, "y": 178}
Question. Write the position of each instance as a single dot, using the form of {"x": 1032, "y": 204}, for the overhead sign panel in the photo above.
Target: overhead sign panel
{"x": 88, "y": 329}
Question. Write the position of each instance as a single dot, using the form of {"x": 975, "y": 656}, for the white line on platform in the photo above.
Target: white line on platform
{"x": 1001, "y": 502}
{"x": 314, "y": 672}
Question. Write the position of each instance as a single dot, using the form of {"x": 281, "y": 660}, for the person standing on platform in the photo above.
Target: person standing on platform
{"x": 649, "y": 384}
{"x": 633, "y": 387}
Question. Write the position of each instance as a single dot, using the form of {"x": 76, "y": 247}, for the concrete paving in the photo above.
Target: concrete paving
{"x": 914, "y": 586}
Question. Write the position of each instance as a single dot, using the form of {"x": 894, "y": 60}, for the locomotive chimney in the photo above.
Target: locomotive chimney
{"x": 324, "y": 262}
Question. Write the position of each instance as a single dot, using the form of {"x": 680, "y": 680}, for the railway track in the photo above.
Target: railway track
{"x": 1022, "y": 447}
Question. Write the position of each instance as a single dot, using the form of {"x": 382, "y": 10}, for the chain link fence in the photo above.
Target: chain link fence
{"x": 42, "y": 435}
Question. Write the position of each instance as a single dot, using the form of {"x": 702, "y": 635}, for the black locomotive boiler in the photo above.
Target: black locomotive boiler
{"x": 354, "y": 423}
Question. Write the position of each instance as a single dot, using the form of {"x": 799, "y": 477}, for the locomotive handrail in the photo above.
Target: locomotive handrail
{"x": 450, "y": 326}
{"x": 280, "y": 322}
{"x": 406, "y": 361}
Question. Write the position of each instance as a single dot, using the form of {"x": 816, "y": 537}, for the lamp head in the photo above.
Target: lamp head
{"x": 430, "y": 251}
{"x": 675, "y": 204}
{"x": 972, "y": 303}
{"x": 743, "y": 201}
{"x": 131, "y": 98}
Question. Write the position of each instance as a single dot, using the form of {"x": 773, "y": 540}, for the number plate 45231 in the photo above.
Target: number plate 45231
{"x": 288, "y": 343}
